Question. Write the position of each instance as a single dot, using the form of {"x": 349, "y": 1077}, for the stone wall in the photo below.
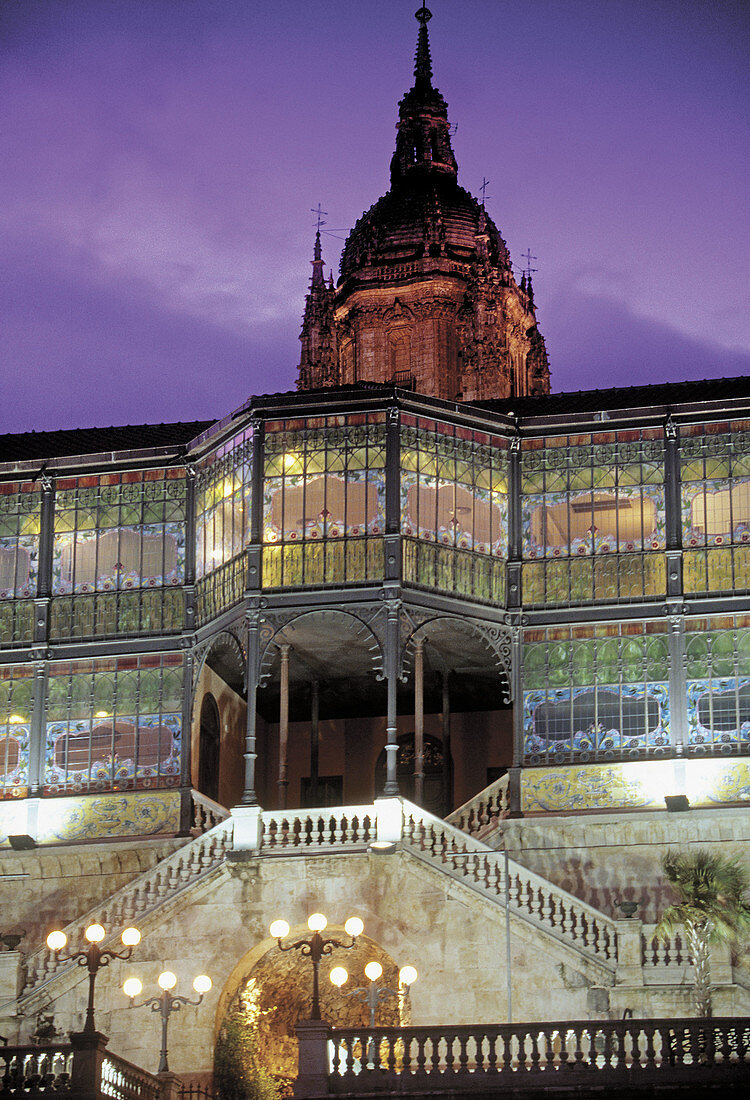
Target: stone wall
{"x": 606, "y": 858}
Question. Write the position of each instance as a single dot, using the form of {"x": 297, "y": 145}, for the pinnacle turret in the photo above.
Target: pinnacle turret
{"x": 318, "y": 278}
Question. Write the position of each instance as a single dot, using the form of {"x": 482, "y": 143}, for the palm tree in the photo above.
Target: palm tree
{"x": 711, "y": 908}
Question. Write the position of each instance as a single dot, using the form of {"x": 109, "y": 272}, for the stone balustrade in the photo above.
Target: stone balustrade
{"x": 122, "y": 1080}
{"x": 529, "y": 895}
{"x": 573, "y": 1054}
{"x": 136, "y": 900}
{"x": 341, "y": 826}
{"x": 480, "y": 814}
{"x": 40, "y": 1069}
{"x": 206, "y": 813}
{"x": 82, "y": 1068}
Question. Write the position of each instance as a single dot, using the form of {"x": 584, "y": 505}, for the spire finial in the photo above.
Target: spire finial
{"x": 318, "y": 279}
{"x": 422, "y": 61}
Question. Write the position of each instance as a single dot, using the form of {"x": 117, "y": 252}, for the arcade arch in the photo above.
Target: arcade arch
{"x": 270, "y": 990}
{"x": 219, "y": 717}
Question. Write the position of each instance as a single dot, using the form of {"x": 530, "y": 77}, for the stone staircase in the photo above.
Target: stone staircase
{"x": 134, "y": 902}
{"x": 486, "y": 871}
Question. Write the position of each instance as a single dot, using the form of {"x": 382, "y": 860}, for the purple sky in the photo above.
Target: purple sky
{"x": 160, "y": 159}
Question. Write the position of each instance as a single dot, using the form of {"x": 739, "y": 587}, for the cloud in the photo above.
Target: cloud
{"x": 595, "y": 342}
{"x": 82, "y": 350}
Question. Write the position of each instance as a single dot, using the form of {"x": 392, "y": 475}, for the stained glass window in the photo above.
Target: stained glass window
{"x": 113, "y": 724}
{"x": 119, "y": 531}
{"x": 454, "y": 496}
{"x": 715, "y": 475}
{"x": 593, "y": 517}
{"x": 717, "y": 655}
{"x": 595, "y": 692}
{"x": 16, "y": 695}
{"x": 324, "y": 500}
{"x": 223, "y": 490}
{"x": 20, "y": 511}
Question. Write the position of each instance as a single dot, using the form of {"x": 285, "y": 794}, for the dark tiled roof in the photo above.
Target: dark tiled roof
{"x": 88, "y": 441}
{"x": 659, "y": 395}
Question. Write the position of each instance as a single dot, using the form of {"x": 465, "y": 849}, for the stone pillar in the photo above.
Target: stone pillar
{"x": 283, "y": 782}
{"x": 721, "y": 964}
{"x": 629, "y": 952}
{"x": 170, "y": 1086}
{"x": 88, "y": 1054}
{"x": 419, "y": 721}
{"x": 10, "y": 975}
{"x": 312, "y": 1078}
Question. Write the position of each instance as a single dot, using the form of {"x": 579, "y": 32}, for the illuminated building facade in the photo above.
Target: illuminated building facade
{"x": 420, "y": 575}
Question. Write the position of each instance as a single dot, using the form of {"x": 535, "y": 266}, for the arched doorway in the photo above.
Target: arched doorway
{"x": 209, "y": 742}
{"x": 435, "y": 798}
{"x": 256, "y": 1037}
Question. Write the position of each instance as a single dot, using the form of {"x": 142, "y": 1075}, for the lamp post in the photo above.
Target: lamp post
{"x": 316, "y": 947}
{"x": 94, "y": 957}
{"x": 373, "y": 993}
{"x": 167, "y": 1003}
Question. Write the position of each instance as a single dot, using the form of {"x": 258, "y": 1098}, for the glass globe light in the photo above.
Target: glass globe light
{"x": 202, "y": 984}
{"x": 279, "y": 929}
{"x": 407, "y": 975}
{"x": 354, "y": 927}
{"x": 316, "y": 922}
{"x": 56, "y": 941}
{"x": 338, "y": 976}
{"x": 167, "y": 980}
{"x": 95, "y": 933}
{"x": 373, "y": 970}
{"x": 131, "y": 937}
{"x": 132, "y": 988}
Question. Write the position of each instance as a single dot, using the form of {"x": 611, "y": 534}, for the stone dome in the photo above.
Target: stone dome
{"x": 425, "y": 215}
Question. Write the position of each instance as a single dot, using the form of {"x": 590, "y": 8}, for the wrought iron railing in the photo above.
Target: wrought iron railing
{"x": 479, "y": 577}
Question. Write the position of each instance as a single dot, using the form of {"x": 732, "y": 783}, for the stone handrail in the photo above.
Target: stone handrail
{"x": 134, "y": 901}
{"x": 123, "y": 1081}
{"x": 573, "y": 1054}
{"x": 532, "y": 897}
{"x": 36, "y": 1069}
{"x": 480, "y": 814}
{"x": 287, "y": 830}
{"x": 206, "y": 813}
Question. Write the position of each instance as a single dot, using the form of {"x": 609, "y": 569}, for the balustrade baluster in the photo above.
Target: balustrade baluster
{"x": 535, "y": 1054}
{"x": 463, "y": 1053}
{"x": 491, "y": 1059}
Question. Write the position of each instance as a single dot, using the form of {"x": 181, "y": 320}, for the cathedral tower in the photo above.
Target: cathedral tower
{"x": 426, "y": 298}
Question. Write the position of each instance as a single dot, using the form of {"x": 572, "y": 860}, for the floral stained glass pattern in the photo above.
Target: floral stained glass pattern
{"x": 596, "y": 693}
{"x": 20, "y": 512}
{"x": 16, "y": 696}
{"x": 324, "y": 500}
{"x": 454, "y": 497}
{"x": 593, "y": 517}
{"x": 119, "y": 531}
{"x": 113, "y": 724}
{"x": 223, "y": 490}
{"x": 715, "y": 477}
{"x": 717, "y": 655}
